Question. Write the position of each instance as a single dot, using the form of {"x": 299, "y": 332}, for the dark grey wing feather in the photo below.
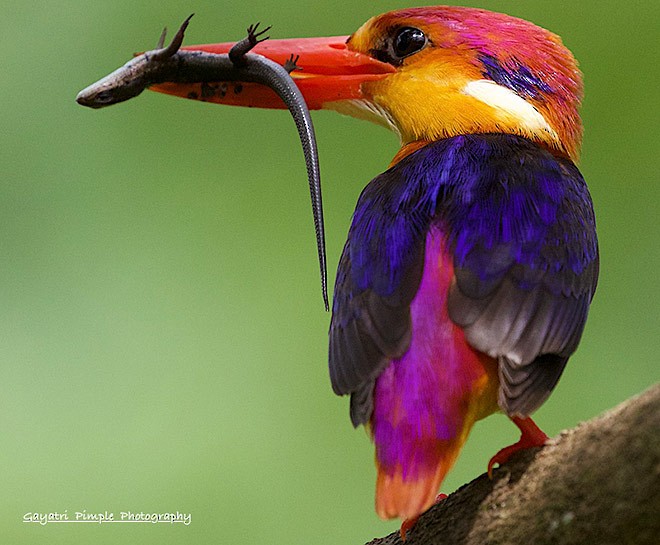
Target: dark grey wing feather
{"x": 525, "y": 302}
{"x": 362, "y": 403}
{"x": 524, "y": 387}
{"x": 366, "y": 332}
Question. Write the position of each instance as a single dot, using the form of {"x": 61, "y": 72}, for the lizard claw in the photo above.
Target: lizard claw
{"x": 242, "y": 48}
{"x": 161, "y": 40}
{"x": 164, "y": 53}
{"x": 254, "y": 37}
{"x": 291, "y": 63}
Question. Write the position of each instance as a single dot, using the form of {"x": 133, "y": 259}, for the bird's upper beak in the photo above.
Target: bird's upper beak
{"x": 328, "y": 71}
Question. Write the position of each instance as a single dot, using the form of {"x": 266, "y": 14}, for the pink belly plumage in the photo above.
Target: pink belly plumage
{"x": 426, "y": 402}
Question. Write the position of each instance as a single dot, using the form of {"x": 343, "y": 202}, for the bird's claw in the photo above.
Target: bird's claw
{"x": 531, "y": 436}
{"x": 409, "y": 524}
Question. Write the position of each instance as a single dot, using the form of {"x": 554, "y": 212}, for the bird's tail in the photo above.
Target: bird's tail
{"x": 407, "y": 496}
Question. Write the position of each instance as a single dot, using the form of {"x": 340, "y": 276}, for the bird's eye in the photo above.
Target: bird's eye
{"x": 407, "y": 41}
{"x": 399, "y": 44}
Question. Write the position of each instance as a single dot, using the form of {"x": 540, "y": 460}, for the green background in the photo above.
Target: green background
{"x": 162, "y": 337}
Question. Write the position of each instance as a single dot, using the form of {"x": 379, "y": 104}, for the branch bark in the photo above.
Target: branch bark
{"x": 597, "y": 483}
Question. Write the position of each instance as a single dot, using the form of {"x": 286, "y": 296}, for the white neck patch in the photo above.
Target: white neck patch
{"x": 505, "y": 99}
{"x": 364, "y": 109}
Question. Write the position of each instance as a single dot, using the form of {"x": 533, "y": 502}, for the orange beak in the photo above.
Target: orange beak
{"x": 329, "y": 72}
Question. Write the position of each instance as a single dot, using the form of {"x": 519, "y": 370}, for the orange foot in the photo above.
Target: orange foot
{"x": 531, "y": 436}
{"x": 408, "y": 524}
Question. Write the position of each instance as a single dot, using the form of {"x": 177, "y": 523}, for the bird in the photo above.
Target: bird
{"x": 471, "y": 262}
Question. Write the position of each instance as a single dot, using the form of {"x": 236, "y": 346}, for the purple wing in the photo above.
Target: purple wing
{"x": 520, "y": 224}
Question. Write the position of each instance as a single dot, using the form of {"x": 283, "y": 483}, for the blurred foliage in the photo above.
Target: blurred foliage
{"x": 162, "y": 337}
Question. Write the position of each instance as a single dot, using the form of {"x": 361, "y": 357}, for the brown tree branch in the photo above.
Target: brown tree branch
{"x": 598, "y": 483}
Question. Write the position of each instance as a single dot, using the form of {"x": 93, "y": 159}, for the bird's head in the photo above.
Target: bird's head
{"x": 462, "y": 70}
{"x": 434, "y": 72}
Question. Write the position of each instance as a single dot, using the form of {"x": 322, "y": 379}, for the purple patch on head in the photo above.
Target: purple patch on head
{"x": 515, "y": 76}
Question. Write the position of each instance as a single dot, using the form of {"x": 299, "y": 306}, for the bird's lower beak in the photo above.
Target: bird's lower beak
{"x": 327, "y": 71}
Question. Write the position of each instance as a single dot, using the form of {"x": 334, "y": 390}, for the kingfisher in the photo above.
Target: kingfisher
{"x": 471, "y": 262}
